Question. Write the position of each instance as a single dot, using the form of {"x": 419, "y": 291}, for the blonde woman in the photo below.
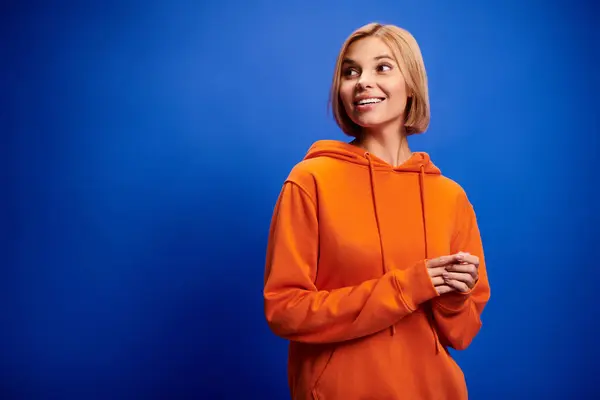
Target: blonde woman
{"x": 375, "y": 264}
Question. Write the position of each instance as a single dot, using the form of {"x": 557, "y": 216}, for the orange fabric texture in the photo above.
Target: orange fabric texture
{"x": 346, "y": 281}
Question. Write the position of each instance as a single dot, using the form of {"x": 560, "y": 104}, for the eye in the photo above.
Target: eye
{"x": 384, "y": 67}
{"x": 350, "y": 71}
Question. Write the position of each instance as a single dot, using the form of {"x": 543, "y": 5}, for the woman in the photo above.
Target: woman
{"x": 375, "y": 263}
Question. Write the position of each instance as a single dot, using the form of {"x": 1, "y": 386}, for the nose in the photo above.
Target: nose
{"x": 364, "y": 81}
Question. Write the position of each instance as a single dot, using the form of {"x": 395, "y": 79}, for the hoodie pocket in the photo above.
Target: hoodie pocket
{"x": 327, "y": 366}
{"x": 427, "y": 315}
{"x": 385, "y": 366}
{"x": 358, "y": 369}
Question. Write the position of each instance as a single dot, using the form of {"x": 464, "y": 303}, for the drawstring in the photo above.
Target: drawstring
{"x": 385, "y": 267}
{"x": 422, "y": 193}
{"x": 372, "y": 176}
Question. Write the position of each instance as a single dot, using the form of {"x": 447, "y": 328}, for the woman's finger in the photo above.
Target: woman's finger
{"x": 443, "y": 289}
{"x": 466, "y": 278}
{"x": 464, "y": 268}
{"x": 458, "y": 285}
{"x": 442, "y": 261}
{"x": 436, "y": 271}
{"x": 468, "y": 258}
{"x": 437, "y": 281}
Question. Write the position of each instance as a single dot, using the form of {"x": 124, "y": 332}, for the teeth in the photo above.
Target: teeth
{"x": 369, "y": 101}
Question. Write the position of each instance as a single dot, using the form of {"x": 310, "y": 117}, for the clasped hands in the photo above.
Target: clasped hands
{"x": 457, "y": 272}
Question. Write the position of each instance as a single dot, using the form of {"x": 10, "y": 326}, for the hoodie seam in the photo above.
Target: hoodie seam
{"x": 464, "y": 299}
{"x": 401, "y": 294}
{"x": 392, "y": 170}
{"x": 302, "y": 189}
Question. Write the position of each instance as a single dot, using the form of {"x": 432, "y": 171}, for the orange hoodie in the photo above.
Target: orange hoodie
{"x": 346, "y": 281}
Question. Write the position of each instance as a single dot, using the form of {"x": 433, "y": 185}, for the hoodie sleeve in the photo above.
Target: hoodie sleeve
{"x": 457, "y": 314}
{"x": 297, "y": 310}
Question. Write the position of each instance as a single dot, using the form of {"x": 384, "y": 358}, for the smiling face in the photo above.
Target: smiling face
{"x": 383, "y": 62}
{"x": 372, "y": 88}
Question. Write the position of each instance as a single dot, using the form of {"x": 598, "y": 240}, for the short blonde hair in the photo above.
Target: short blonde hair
{"x": 410, "y": 60}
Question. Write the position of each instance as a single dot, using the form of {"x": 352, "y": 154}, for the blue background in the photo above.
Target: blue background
{"x": 146, "y": 142}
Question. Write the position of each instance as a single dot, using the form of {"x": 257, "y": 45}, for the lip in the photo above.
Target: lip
{"x": 369, "y": 106}
{"x": 359, "y": 98}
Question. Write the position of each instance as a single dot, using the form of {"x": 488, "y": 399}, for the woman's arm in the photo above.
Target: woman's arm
{"x": 458, "y": 314}
{"x": 296, "y": 310}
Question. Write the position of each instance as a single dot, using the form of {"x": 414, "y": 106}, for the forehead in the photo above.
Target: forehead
{"x": 367, "y": 49}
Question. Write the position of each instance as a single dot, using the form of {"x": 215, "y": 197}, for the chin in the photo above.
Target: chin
{"x": 368, "y": 123}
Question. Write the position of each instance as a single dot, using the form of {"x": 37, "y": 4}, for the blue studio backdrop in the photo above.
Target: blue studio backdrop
{"x": 146, "y": 143}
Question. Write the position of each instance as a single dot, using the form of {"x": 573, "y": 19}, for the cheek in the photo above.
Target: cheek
{"x": 346, "y": 94}
{"x": 398, "y": 95}
{"x": 397, "y": 89}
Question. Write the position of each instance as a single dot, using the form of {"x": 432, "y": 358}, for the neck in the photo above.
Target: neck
{"x": 391, "y": 146}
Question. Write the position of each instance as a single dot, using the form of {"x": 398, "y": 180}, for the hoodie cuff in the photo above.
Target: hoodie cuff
{"x": 414, "y": 285}
{"x": 455, "y": 301}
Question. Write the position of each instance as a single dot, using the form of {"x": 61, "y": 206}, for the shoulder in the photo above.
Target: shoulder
{"x": 307, "y": 173}
{"x": 305, "y": 170}
{"x": 302, "y": 175}
{"x": 451, "y": 190}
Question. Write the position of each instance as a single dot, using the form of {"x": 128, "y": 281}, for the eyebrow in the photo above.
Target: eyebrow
{"x": 350, "y": 61}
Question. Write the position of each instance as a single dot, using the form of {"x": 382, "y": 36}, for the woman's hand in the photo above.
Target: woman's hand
{"x": 462, "y": 275}
{"x": 437, "y": 267}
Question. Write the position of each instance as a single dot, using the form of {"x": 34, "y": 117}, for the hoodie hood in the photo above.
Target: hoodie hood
{"x": 418, "y": 162}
